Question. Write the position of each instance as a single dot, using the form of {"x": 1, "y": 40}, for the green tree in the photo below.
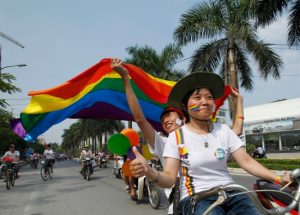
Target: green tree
{"x": 229, "y": 25}
{"x": 158, "y": 64}
{"x": 268, "y": 10}
{"x": 6, "y": 86}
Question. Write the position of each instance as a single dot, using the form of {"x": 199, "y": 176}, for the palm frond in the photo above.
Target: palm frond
{"x": 268, "y": 10}
{"x": 269, "y": 63}
{"x": 204, "y": 20}
{"x": 294, "y": 24}
{"x": 207, "y": 57}
{"x": 170, "y": 54}
{"x": 244, "y": 70}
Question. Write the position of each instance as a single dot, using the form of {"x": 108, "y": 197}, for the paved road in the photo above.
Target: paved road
{"x": 67, "y": 193}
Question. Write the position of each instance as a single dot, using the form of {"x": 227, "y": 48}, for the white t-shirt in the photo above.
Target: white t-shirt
{"x": 49, "y": 154}
{"x": 204, "y": 158}
{"x": 86, "y": 153}
{"x": 160, "y": 142}
{"x": 13, "y": 155}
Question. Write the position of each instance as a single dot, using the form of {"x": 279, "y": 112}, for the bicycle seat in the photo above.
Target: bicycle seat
{"x": 266, "y": 185}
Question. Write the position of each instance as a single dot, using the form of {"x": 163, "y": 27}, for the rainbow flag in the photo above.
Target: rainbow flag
{"x": 96, "y": 93}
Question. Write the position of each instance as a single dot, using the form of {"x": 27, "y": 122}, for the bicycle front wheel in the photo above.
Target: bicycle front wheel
{"x": 12, "y": 178}
{"x": 45, "y": 174}
{"x": 7, "y": 178}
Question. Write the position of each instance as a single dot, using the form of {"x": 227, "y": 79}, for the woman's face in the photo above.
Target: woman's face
{"x": 168, "y": 121}
{"x": 201, "y": 104}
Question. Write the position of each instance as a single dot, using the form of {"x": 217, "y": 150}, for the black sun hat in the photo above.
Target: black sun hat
{"x": 211, "y": 81}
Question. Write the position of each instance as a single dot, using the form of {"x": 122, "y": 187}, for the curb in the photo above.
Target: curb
{"x": 239, "y": 171}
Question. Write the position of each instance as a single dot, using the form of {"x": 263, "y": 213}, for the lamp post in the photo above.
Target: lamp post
{"x": 17, "y": 65}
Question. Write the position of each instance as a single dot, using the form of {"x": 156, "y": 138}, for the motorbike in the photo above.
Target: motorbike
{"x": 149, "y": 190}
{"x": 271, "y": 200}
{"x": 87, "y": 169}
{"x": 34, "y": 162}
{"x": 255, "y": 154}
{"x": 103, "y": 161}
{"x": 117, "y": 170}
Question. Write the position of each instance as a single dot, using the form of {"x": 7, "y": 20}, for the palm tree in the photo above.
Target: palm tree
{"x": 158, "y": 64}
{"x": 233, "y": 36}
{"x": 268, "y": 10}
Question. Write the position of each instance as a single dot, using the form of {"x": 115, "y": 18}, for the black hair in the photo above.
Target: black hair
{"x": 188, "y": 95}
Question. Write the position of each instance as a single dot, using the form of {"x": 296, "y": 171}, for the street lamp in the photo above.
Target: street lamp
{"x": 18, "y": 65}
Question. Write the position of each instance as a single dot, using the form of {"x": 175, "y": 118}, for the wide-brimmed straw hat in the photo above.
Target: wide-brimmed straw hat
{"x": 196, "y": 80}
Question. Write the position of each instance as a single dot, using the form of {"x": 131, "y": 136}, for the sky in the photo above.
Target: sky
{"x": 64, "y": 38}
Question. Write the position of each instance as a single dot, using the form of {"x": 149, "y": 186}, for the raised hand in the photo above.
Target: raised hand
{"x": 139, "y": 166}
{"x": 117, "y": 65}
{"x": 236, "y": 94}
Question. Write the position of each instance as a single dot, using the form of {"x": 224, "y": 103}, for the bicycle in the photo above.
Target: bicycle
{"x": 222, "y": 195}
{"x": 10, "y": 176}
{"x": 46, "y": 169}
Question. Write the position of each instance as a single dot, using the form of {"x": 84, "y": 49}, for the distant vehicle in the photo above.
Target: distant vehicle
{"x": 257, "y": 129}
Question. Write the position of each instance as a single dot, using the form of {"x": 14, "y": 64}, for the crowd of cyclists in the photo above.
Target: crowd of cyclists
{"x": 11, "y": 159}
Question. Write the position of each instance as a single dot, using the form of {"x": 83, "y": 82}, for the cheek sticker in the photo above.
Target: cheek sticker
{"x": 194, "y": 107}
{"x": 220, "y": 154}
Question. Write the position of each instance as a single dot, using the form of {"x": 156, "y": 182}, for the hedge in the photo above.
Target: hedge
{"x": 274, "y": 164}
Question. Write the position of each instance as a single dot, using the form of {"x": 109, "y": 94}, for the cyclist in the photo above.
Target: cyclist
{"x": 201, "y": 148}
{"x": 15, "y": 155}
{"x": 171, "y": 118}
{"x": 49, "y": 156}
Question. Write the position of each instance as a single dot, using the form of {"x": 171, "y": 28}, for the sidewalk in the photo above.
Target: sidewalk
{"x": 290, "y": 155}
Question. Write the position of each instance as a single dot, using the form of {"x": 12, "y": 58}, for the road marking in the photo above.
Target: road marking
{"x": 30, "y": 208}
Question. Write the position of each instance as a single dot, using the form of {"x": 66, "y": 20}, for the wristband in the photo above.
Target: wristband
{"x": 277, "y": 180}
{"x": 156, "y": 178}
{"x": 240, "y": 117}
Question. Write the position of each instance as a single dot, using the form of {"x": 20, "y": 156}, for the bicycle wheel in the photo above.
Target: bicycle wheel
{"x": 44, "y": 174}
{"x": 12, "y": 178}
{"x": 176, "y": 199}
{"x": 7, "y": 178}
{"x": 154, "y": 196}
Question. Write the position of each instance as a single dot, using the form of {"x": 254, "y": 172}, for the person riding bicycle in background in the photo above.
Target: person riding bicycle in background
{"x": 171, "y": 118}
{"x": 49, "y": 156}
{"x": 200, "y": 150}
{"x": 15, "y": 155}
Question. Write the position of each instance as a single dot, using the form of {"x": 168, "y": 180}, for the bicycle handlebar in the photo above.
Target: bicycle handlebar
{"x": 222, "y": 196}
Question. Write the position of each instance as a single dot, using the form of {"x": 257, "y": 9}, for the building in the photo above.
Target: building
{"x": 275, "y": 126}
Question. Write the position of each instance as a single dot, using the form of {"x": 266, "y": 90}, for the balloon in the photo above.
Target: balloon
{"x": 132, "y": 136}
{"x": 126, "y": 168}
{"x": 130, "y": 153}
{"x": 118, "y": 144}
{"x": 146, "y": 152}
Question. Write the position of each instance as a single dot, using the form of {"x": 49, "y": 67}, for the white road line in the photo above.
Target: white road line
{"x": 30, "y": 208}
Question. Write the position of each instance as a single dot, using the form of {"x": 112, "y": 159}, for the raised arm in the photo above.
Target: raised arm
{"x": 135, "y": 108}
{"x": 238, "y": 124}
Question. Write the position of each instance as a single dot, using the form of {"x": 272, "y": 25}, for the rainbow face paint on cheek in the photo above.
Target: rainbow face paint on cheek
{"x": 194, "y": 107}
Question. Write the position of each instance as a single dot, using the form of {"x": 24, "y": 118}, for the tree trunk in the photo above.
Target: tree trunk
{"x": 232, "y": 80}
{"x": 100, "y": 140}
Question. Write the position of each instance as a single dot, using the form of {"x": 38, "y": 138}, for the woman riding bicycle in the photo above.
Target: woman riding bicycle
{"x": 49, "y": 157}
{"x": 15, "y": 155}
{"x": 201, "y": 148}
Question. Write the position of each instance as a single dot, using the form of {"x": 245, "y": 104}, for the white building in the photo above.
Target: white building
{"x": 275, "y": 126}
